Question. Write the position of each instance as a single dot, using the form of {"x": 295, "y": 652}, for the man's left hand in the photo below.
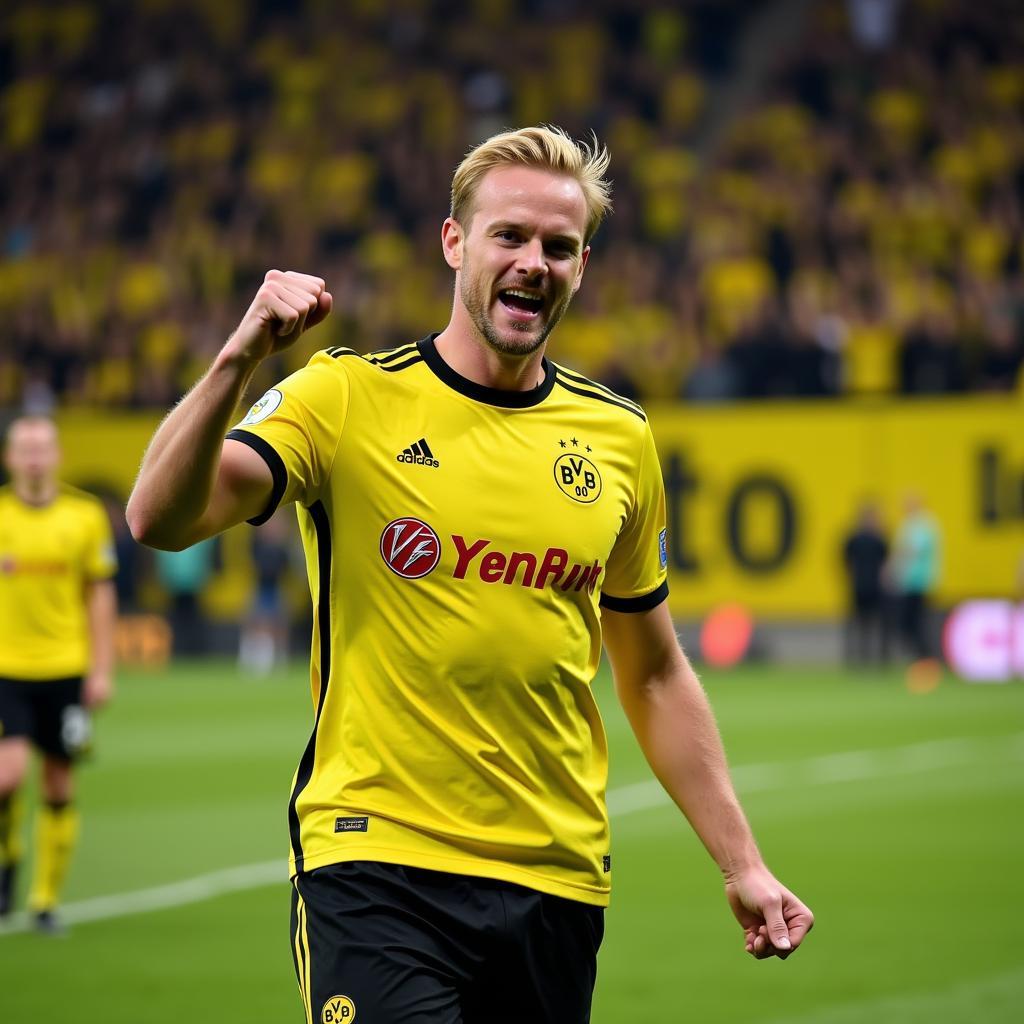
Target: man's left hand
{"x": 774, "y": 921}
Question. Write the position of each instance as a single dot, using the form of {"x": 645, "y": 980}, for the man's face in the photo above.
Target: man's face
{"x": 32, "y": 453}
{"x": 520, "y": 258}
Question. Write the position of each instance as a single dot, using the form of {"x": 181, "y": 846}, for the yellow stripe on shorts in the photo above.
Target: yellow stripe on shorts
{"x": 302, "y": 953}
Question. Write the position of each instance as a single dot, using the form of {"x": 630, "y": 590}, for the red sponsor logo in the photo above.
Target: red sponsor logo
{"x": 10, "y": 566}
{"x": 410, "y": 548}
{"x": 554, "y": 568}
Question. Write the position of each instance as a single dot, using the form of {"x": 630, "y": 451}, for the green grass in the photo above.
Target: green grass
{"x": 914, "y": 874}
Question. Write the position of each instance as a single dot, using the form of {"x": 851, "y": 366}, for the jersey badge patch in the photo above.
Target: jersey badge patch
{"x": 576, "y": 475}
{"x": 361, "y": 824}
{"x": 338, "y": 1010}
{"x": 663, "y": 548}
{"x": 410, "y": 548}
{"x": 265, "y": 407}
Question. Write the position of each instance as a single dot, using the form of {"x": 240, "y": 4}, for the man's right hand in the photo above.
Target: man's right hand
{"x": 287, "y": 304}
{"x": 186, "y": 491}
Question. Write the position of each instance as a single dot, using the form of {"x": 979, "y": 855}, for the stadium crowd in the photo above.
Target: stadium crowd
{"x": 857, "y": 230}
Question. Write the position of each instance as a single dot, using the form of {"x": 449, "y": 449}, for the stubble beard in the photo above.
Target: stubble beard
{"x": 476, "y": 306}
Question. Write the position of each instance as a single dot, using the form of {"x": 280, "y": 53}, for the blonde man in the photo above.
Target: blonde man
{"x": 57, "y": 616}
{"x": 476, "y": 520}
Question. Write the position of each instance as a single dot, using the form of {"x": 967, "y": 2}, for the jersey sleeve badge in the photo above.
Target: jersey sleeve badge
{"x": 266, "y": 406}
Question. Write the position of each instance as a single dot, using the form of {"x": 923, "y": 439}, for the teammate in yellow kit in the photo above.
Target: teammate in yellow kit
{"x": 476, "y": 520}
{"x": 57, "y": 614}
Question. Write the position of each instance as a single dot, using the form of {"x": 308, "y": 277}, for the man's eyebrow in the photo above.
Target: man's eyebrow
{"x": 572, "y": 241}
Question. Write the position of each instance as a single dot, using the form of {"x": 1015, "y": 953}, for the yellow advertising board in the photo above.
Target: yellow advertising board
{"x": 761, "y": 496}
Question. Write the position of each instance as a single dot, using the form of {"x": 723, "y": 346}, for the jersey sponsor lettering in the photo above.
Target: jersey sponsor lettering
{"x": 11, "y": 566}
{"x": 553, "y": 568}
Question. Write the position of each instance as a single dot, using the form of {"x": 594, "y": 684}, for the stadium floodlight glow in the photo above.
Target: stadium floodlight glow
{"x": 984, "y": 641}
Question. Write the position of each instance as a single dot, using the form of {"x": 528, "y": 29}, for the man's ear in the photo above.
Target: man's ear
{"x": 452, "y": 237}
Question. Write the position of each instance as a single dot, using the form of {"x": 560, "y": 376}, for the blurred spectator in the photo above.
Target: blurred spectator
{"x": 915, "y": 573}
{"x": 264, "y": 638}
{"x": 713, "y": 377}
{"x": 865, "y": 553}
{"x": 932, "y": 358}
{"x": 1002, "y": 354}
{"x": 129, "y": 556}
{"x": 183, "y": 575}
{"x": 873, "y": 22}
{"x": 859, "y": 229}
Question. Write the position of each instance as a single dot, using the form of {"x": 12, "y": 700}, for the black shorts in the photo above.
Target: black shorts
{"x": 387, "y": 944}
{"x": 49, "y": 712}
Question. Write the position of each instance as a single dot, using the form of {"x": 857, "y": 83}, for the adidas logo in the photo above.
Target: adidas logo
{"x": 418, "y": 454}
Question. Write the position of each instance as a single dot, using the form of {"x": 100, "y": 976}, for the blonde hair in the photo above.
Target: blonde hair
{"x": 544, "y": 146}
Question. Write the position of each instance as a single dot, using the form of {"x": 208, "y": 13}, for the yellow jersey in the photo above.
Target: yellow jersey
{"x": 459, "y": 543}
{"x": 47, "y": 555}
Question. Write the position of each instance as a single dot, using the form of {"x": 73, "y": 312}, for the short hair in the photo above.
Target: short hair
{"x": 546, "y": 147}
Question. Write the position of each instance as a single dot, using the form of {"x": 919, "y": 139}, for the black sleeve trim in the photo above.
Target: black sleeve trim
{"x": 274, "y": 464}
{"x": 643, "y": 603}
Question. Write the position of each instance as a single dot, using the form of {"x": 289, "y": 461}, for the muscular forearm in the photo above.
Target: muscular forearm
{"x": 672, "y": 720}
{"x": 179, "y": 468}
{"x": 184, "y": 492}
{"x": 677, "y": 732}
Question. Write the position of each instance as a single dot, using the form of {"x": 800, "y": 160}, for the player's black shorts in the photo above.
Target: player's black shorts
{"x": 49, "y": 712}
{"x": 387, "y": 944}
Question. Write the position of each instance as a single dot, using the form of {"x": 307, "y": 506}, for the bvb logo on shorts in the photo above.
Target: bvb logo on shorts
{"x": 338, "y": 1010}
{"x": 578, "y": 477}
{"x": 75, "y": 730}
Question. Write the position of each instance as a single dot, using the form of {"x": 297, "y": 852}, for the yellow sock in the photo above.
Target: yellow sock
{"x": 56, "y": 835}
{"x": 11, "y": 849}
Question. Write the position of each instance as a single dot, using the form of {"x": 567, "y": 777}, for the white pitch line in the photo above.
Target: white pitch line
{"x": 849, "y": 766}
{"x": 162, "y": 897}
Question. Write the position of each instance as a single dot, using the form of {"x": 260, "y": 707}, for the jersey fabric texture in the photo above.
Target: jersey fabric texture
{"x": 384, "y": 942}
{"x": 47, "y": 554}
{"x": 459, "y": 540}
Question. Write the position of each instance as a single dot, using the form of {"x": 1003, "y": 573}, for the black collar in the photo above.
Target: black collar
{"x": 479, "y": 392}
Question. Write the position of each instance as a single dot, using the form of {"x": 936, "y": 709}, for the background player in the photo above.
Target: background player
{"x": 57, "y": 618}
{"x": 865, "y": 552}
{"x": 464, "y": 738}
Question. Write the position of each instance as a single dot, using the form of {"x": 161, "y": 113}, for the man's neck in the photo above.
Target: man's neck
{"x": 461, "y": 347}
{"x": 35, "y": 492}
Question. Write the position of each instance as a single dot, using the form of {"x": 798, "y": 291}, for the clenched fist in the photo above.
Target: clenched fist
{"x": 287, "y": 304}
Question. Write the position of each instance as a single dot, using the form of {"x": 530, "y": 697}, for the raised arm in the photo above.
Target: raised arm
{"x": 193, "y": 484}
{"x": 672, "y": 720}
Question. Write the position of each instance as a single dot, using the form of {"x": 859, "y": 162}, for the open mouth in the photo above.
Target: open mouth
{"x": 520, "y": 302}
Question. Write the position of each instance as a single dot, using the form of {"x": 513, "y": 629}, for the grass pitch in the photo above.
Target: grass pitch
{"x": 896, "y": 816}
